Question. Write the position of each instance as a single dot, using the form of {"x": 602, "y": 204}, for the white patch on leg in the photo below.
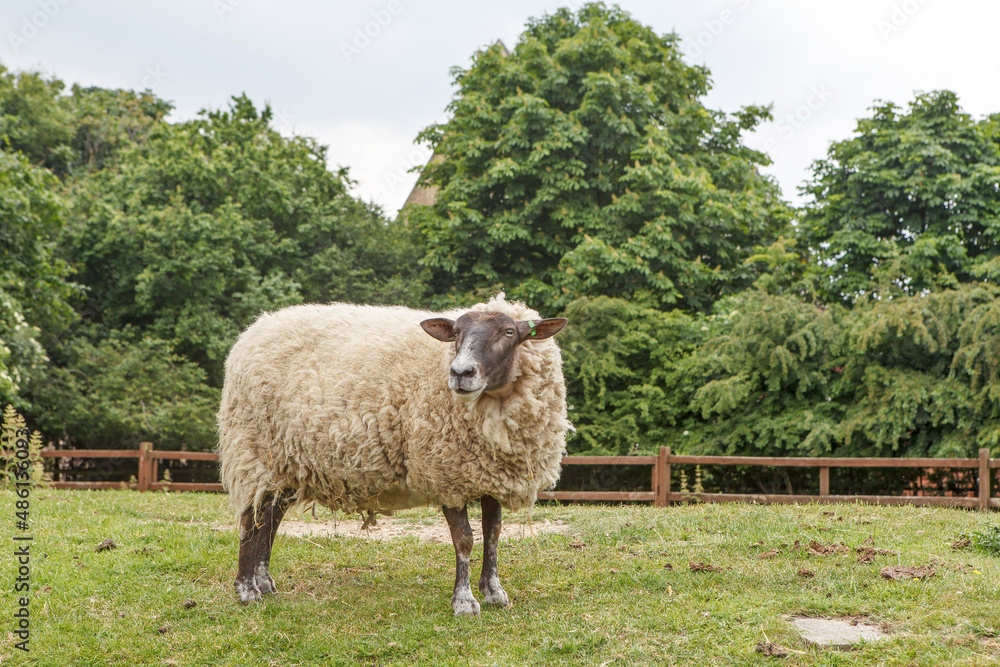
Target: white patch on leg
{"x": 263, "y": 579}
{"x": 464, "y": 604}
{"x": 462, "y": 601}
{"x": 247, "y": 591}
{"x": 493, "y": 592}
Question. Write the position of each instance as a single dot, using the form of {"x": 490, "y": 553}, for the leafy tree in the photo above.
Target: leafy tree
{"x": 909, "y": 376}
{"x": 36, "y": 119}
{"x": 922, "y": 376}
{"x": 908, "y": 204}
{"x": 621, "y": 365}
{"x": 192, "y": 233}
{"x": 82, "y": 129}
{"x": 977, "y": 365}
{"x": 108, "y": 121}
{"x": 33, "y": 286}
{"x": 115, "y": 393}
{"x": 769, "y": 378}
{"x": 584, "y": 163}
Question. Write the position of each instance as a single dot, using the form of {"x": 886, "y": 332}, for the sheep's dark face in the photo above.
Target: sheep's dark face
{"x": 486, "y": 348}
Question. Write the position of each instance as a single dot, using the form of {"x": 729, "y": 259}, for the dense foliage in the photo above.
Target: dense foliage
{"x": 581, "y": 172}
{"x": 33, "y": 285}
{"x": 134, "y": 251}
{"x": 911, "y": 203}
{"x": 207, "y": 223}
{"x": 585, "y": 163}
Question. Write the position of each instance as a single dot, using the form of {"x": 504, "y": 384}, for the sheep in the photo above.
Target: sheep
{"x": 362, "y": 409}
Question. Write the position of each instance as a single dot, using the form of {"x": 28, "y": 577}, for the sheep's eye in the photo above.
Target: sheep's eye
{"x": 509, "y": 333}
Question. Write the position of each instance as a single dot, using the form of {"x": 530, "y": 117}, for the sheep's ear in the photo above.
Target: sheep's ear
{"x": 440, "y": 327}
{"x": 539, "y": 329}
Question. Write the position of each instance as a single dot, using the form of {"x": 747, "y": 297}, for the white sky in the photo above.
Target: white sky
{"x": 822, "y": 64}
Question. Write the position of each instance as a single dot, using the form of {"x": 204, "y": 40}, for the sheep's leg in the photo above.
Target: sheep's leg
{"x": 271, "y": 519}
{"x": 253, "y": 580}
{"x": 461, "y": 535}
{"x": 489, "y": 582}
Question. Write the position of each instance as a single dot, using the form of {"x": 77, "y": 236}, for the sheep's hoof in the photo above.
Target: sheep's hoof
{"x": 247, "y": 591}
{"x": 266, "y": 585}
{"x": 498, "y": 598}
{"x": 263, "y": 580}
{"x": 465, "y": 606}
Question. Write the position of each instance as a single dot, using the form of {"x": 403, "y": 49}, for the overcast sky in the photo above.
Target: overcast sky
{"x": 364, "y": 77}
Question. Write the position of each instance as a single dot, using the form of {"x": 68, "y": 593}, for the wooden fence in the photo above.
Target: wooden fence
{"x": 660, "y": 468}
{"x": 148, "y": 465}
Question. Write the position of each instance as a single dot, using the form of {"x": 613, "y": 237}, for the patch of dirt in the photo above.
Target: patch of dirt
{"x": 817, "y": 549}
{"x": 961, "y": 543}
{"x": 772, "y": 650}
{"x": 906, "y": 572}
{"x": 703, "y": 567}
{"x": 389, "y": 528}
{"x": 868, "y": 554}
{"x": 806, "y": 574}
{"x": 771, "y": 553}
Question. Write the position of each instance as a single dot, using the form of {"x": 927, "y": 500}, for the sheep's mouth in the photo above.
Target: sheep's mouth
{"x": 467, "y": 394}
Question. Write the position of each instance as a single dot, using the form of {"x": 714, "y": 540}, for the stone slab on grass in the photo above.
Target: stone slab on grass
{"x": 836, "y": 632}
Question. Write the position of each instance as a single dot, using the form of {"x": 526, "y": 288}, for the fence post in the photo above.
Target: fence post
{"x": 984, "y": 479}
{"x": 663, "y": 488}
{"x": 144, "y": 460}
{"x": 824, "y": 484}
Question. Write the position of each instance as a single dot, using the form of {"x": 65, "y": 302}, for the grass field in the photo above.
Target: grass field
{"x": 618, "y": 589}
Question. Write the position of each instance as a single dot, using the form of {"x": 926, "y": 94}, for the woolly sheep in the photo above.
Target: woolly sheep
{"x": 362, "y": 409}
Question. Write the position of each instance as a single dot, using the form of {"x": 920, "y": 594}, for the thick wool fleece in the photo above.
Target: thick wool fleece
{"x": 349, "y": 406}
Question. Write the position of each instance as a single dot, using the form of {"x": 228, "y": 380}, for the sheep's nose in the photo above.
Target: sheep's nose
{"x": 462, "y": 371}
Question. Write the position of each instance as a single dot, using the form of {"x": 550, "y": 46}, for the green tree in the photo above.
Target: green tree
{"x": 584, "y": 163}
{"x": 908, "y": 376}
{"x": 82, "y": 129}
{"x": 908, "y": 204}
{"x": 33, "y": 286}
{"x": 107, "y": 121}
{"x": 195, "y": 231}
{"x": 921, "y": 375}
{"x": 621, "y": 365}
{"x": 117, "y": 392}
{"x": 36, "y": 118}
{"x": 769, "y": 378}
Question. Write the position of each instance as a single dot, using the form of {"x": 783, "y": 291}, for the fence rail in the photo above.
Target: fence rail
{"x": 660, "y": 465}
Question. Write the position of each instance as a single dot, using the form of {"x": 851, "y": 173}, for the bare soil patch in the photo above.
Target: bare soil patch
{"x": 389, "y": 528}
{"x": 906, "y": 572}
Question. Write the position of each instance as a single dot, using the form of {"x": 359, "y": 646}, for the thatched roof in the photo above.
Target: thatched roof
{"x": 422, "y": 195}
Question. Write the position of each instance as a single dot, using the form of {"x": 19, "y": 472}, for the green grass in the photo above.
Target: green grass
{"x": 987, "y": 539}
{"x": 627, "y": 597}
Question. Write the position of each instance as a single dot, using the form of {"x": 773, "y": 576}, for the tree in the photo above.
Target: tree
{"x": 769, "y": 379}
{"x": 623, "y": 384}
{"x": 908, "y": 376}
{"x": 64, "y": 132}
{"x": 115, "y": 392}
{"x": 107, "y": 121}
{"x": 196, "y": 230}
{"x": 906, "y": 205}
{"x": 33, "y": 286}
{"x": 36, "y": 118}
{"x": 584, "y": 163}
{"x": 921, "y": 375}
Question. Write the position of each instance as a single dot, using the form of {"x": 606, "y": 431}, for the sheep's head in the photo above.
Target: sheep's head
{"x": 486, "y": 346}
